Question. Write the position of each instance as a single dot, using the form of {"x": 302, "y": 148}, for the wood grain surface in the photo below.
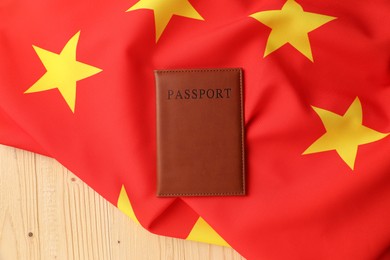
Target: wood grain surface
{"x": 46, "y": 212}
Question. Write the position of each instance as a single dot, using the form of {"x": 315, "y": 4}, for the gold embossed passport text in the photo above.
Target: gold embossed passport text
{"x": 200, "y": 132}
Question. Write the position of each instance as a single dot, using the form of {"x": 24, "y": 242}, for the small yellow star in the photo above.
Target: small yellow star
{"x": 291, "y": 25}
{"x": 63, "y": 71}
{"x": 164, "y": 10}
{"x": 344, "y": 133}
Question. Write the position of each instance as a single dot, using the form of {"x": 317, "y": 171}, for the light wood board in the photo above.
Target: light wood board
{"x": 46, "y": 212}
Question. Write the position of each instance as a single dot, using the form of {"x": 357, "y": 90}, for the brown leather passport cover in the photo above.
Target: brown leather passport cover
{"x": 200, "y": 132}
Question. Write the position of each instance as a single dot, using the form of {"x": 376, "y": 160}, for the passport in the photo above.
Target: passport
{"x": 200, "y": 132}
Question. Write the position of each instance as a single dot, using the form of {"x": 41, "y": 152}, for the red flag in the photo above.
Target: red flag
{"x": 76, "y": 83}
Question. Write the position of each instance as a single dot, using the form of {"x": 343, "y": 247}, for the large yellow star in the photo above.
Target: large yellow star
{"x": 164, "y": 10}
{"x": 62, "y": 71}
{"x": 344, "y": 133}
{"x": 291, "y": 25}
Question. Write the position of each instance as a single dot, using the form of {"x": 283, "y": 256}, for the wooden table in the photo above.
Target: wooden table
{"x": 46, "y": 212}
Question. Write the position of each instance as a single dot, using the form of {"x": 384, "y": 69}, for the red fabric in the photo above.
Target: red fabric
{"x": 13, "y": 135}
{"x": 297, "y": 207}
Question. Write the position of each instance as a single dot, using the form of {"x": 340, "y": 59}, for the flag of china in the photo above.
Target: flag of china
{"x": 77, "y": 84}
